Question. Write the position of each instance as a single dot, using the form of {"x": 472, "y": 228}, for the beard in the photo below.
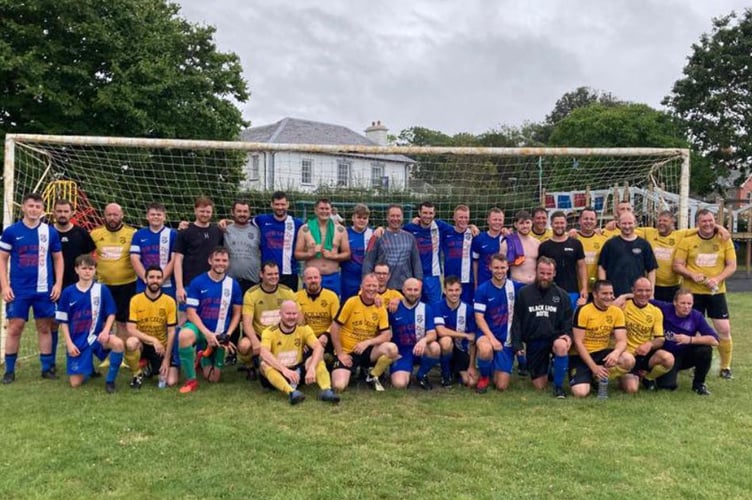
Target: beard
{"x": 154, "y": 287}
{"x": 544, "y": 284}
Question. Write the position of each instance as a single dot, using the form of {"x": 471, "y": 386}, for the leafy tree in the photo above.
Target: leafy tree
{"x": 119, "y": 68}
{"x": 579, "y": 98}
{"x": 714, "y": 98}
{"x": 122, "y": 67}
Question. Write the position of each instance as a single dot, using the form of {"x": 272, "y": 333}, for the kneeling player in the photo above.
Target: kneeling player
{"x": 644, "y": 339}
{"x": 213, "y": 304}
{"x": 414, "y": 335}
{"x": 595, "y": 324}
{"x": 152, "y": 319}
{"x": 86, "y": 313}
{"x": 543, "y": 321}
{"x": 494, "y": 305}
{"x": 455, "y": 325}
{"x": 360, "y": 334}
{"x": 282, "y": 357}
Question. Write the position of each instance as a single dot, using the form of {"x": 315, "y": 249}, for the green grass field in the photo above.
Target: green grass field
{"x": 236, "y": 440}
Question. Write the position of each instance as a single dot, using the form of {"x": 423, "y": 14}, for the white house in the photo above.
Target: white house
{"x": 295, "y": 171}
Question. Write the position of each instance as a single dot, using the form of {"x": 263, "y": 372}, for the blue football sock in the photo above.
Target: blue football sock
{"x": 426, "y": 364}
{"x": 521, "y": 360}
{"x": 561, "y": 364}
{"x": 10, "y": 362}
{"x": 446, "y": 371}
{"x": 116, "y": 358}
{"x": 54, "y": 344}
{"x": 484, "y": 367}
{"x": 47, "y": 360}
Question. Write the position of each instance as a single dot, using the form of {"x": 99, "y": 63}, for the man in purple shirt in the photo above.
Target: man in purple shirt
{"x": 689, "y": 338}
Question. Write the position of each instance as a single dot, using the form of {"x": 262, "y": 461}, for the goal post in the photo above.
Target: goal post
{"x": 93, "y": 171}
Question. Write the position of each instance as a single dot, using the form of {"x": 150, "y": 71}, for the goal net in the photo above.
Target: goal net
{"x": 93, "y": 171}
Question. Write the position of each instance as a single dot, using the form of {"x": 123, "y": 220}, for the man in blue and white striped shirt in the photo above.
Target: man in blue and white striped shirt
{"x": 32, "y": 247}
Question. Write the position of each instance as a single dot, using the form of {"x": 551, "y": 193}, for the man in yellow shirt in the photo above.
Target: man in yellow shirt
{"x": 644, "y": 339}
{"x": 540, "y": 230}
{"x": 261, "y": 305}
{"x": 319, "y": 307}
{"x": 706, "y": 261}
{"x": 152, "y": 318}
{"x": 282, "y": 358}
{"x": 594, "y": 325}
{"x": 114, "y": 268}
{"x": 361, "y": 337}
{"x": 388, "y": 297}
{"x": 592, "y": 243}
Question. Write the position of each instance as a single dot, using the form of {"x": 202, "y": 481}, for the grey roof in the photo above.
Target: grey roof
{"x": 296, "y": 131}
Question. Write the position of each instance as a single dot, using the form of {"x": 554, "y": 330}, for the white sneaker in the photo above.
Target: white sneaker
{"x": 375, "y": 383}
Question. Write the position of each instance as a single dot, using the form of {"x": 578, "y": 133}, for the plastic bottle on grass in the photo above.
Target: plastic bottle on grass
{"x": 603, "y": 388}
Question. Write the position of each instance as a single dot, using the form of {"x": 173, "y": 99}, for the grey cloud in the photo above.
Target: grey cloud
{"x": 450, "y": 66}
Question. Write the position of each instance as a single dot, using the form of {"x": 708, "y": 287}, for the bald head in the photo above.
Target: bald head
{"x": 627, "y": 223}
{"x": 312, "y": 279}
{"x": 288, "y": 314}
{"x": 642, "y": 291}
{"x": 113, "y": 216}
{"x": 411, "y": 289}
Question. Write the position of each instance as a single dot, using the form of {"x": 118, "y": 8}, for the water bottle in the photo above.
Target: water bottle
{"x": 299, "y": 372}
{"x": 603, "y": 388}
{"x": 162, "y": 382}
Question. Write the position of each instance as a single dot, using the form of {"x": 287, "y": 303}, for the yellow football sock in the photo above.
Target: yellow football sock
{"x": 381, "y": 365}
{"x": 277, "y": 380}
{"x": 322, "y": 376}
{"x": 725, "y": 349}
{"x": 131, "y": 359}
{"x": 616, "y": 372}
{"x": 657, "y": 371}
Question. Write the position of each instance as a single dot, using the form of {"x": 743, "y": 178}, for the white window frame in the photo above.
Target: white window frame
{"x": 348, "y": 165}
{"x": 309, "y": 163}
{"x": 376, "y": 179}
{"x": 255, "y": 168}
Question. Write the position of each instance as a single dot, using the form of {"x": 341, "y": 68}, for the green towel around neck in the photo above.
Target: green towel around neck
{"x": 313, "y": 226}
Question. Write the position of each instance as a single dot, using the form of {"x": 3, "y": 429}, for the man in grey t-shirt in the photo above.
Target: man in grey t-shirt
{"x": 242, "y": 240}
{"x": 397, "y": 248}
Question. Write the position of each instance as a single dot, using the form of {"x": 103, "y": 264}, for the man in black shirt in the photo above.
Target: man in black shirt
{"x": 193, "y": 247}
{"x": 626, "y": 257}
{"x": 543, "y": 323}
{"x": 75, "y": 241}
{"x": 569, "y": 255}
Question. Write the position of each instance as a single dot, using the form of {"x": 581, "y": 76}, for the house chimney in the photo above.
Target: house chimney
{"x": 377, "y": 133}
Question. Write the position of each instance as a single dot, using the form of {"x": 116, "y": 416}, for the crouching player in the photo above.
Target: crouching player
{"x": 645, "y": 339}
{"x": 86, "y": 313}
{"x": 414, "y": 335}
{"x": 360, "y": 335}
{"x": 213, "y": 304}
{"x": 494, "y": 310}
{"x": 543, "y": 322}
{"x": 152, "y": 319}
{"x": 282, "y": 361}
{"x": 455, "y": 325}
{"x": 593, "y": 327}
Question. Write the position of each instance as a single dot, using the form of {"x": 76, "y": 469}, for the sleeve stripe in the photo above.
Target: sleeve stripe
{"x": 6, "y": 246}
{"x": 190, "y": 301}
{"x": 479, "y": 307}
{"x": 61, "y": 316}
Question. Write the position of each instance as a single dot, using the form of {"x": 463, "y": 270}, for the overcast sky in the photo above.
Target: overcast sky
{"x": 453, "y": 66}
